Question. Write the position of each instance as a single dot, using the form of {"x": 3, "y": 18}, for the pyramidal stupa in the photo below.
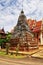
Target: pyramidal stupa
{"x": 22, "y": 27}
{"x": 22, "y": 32}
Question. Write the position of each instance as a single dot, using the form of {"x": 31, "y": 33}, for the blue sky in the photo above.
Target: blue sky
{"x": 10, "y": 10}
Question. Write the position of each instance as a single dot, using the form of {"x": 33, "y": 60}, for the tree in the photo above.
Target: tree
{"x": 2, "y": 41}
{"x": 7, "y": 48}
{"x": 8, "y": 36}
{"x": 17, "y": 49}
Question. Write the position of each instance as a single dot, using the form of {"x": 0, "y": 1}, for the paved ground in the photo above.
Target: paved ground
{"x": 25, "y": 61}
{"x": 38, "y": 54}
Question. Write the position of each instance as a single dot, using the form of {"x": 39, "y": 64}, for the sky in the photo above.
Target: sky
{"x": 10, "y": 11}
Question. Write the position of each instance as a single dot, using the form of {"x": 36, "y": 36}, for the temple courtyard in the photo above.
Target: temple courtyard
{"x": 33, "y": 57}
{"x": 38, "y": 54}
{"x": 25, "y": 61}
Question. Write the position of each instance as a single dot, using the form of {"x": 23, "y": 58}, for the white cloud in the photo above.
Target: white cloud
{"x": 10, "y": 10}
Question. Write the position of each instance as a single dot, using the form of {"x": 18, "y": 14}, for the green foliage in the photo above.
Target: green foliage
{"x": 8, "y": 36}
{"x": 3, "y": 54}
{"x": 7, "y": 39}
{"x": 2, "y": 41}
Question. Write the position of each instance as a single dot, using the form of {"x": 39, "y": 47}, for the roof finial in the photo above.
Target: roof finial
{"x": 22, "y": 7}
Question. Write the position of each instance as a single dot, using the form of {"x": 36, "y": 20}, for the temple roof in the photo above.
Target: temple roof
{"x": 2, "y": 31}
{"x": 34, "y": 25}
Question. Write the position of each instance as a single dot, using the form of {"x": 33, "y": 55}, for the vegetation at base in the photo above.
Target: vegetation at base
{"x": 4, "y": 43}
{"x": 7, "y": 42}
{"x": 17, "y": 49}
{"x": 3, "y": 54}
{"x": 4, "y": 40}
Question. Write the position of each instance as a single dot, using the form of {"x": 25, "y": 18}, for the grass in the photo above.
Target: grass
{"x": 3, "y": 54}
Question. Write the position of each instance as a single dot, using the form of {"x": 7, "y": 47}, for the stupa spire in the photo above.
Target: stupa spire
{"x": 22, "y": 11}
{"x": 22, "y": 5}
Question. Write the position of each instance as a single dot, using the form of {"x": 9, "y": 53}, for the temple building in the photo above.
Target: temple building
{"x": 2, "y": 37}
{"x": 22, "y": 34}
{"x": 2, "y": 34}
{"x": 41, "y": 35}
{"x": 37, "y": 28}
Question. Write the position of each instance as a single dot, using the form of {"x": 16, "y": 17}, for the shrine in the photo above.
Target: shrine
{"x": 22, "y": 34}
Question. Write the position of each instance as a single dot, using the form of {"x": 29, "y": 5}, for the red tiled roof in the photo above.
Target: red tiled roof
{"x": 35, "y": 26}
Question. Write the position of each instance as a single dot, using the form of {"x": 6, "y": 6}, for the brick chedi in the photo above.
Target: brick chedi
{"x": 22, "y": 34}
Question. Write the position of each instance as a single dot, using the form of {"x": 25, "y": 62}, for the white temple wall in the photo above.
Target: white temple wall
{"x": 41, "y": 39}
